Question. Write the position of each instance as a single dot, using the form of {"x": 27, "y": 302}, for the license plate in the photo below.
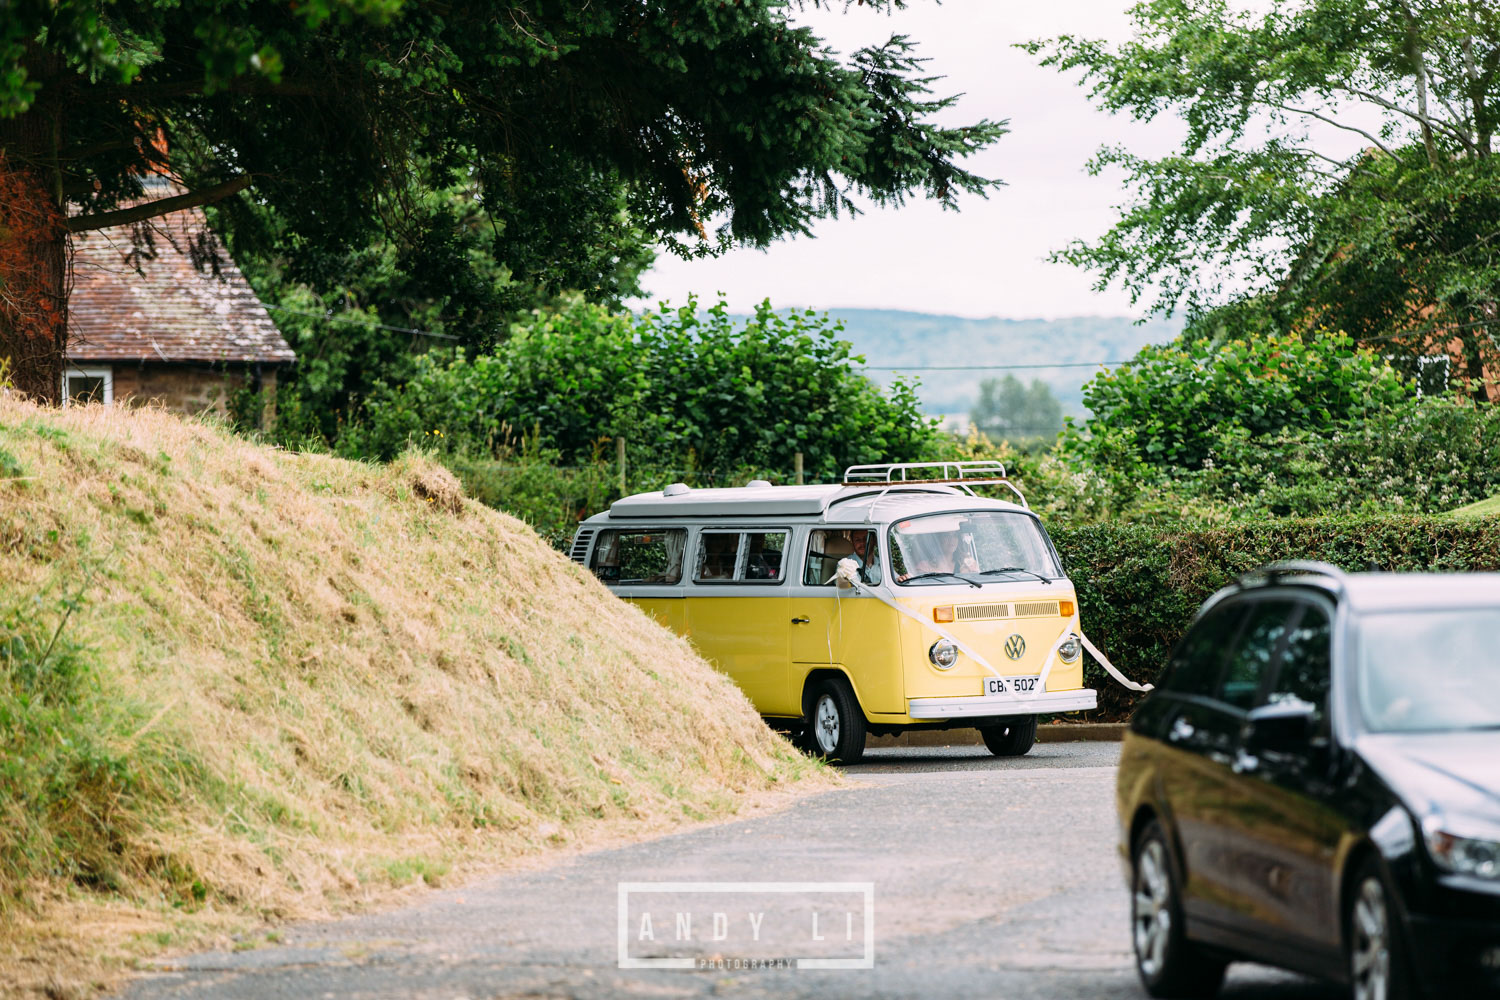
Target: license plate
{"x": 996, "y": 686}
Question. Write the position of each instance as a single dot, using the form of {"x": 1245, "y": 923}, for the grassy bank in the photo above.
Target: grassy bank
{"x": 241, "y": 685}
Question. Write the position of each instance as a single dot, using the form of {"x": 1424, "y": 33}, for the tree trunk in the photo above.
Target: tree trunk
{"x": 33, "y": 254}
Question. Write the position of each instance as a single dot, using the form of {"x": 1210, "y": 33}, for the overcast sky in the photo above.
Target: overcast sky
{"x": 989, "y": 259}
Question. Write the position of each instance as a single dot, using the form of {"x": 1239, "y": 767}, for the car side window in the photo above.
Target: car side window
{"x": 1194, "y": 666}
{"x": 1306, "y": 670}
{"x": 1254, "y": 652}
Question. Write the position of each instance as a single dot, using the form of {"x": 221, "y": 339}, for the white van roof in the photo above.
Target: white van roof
{"x": 827, "y": 503}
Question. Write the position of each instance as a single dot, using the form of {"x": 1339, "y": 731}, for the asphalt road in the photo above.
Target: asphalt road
{"x": 989, "y": 878}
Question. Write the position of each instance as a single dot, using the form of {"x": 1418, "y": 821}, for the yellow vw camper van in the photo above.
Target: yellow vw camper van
{"x": 897, "y": 599}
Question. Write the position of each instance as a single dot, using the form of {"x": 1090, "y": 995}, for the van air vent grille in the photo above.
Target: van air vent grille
{"x": 979, "y": 612}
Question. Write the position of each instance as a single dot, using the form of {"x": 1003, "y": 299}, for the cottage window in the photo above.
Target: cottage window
{"x": 88, "y": 385}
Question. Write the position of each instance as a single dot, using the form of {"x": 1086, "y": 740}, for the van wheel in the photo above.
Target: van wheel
{"x": 1012, "y": 738}
{"x": 1168, "y": 963}
{"x": 835, "y": 724}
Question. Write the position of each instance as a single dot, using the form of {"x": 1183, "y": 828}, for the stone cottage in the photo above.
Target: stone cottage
{"x": 159, "y": 313}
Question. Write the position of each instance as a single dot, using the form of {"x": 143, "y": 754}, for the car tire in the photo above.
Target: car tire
{"x": 1168, "y": 963}
{"x": 1374, "y": 946}
{"x": 1012, "y": 738}
{"x": 835, "y": 722}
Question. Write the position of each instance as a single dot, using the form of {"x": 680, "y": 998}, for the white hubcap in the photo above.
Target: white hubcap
{"x": 1369, "y": 945}
{"x": 1151, "y": 906}
{"x": 826, "y": 724}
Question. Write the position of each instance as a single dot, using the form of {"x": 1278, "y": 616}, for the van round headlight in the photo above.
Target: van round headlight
{"x": 1070, "y": 649}
{"x": 943, "y": 654}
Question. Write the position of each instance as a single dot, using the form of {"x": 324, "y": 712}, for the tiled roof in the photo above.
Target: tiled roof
{"x": 135, "y": 300}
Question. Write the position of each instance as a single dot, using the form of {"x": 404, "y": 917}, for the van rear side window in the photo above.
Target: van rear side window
{"x": 640, "y": 557}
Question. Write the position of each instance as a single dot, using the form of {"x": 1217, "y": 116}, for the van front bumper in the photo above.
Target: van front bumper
{"x": 978, "y": 706}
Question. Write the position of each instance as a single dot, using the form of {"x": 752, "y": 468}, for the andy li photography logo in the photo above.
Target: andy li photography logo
{"x": 747, "y": 925}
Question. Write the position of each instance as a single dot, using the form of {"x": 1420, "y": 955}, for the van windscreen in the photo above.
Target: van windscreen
{"x": 974, "y": 546}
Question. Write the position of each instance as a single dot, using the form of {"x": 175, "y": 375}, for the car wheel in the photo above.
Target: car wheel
{"x": 1012, "y": 738}
{"x": 835, "y": 724}
{"x": 1376, "y": 953}
{"x": 1168, "y": 963}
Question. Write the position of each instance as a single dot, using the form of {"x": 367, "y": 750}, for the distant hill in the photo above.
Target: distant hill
{"x": 891, "y": 337}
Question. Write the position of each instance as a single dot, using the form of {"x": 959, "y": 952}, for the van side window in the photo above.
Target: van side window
{"x": 764, "y": 554}
{"x": 718, "y": 551}
{"x": 826, "y": 548}
{"x": 640, "y": 557}
{"x": 741, "y": 557}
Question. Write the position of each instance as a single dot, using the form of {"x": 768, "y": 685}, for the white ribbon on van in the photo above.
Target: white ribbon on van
{"x": 848, "y": 573}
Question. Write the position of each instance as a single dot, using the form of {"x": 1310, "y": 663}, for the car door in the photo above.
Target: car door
{"x": 1209, "y": 821}
{"x": 1192, "y": 766}
{"x": 1289, "y": 830}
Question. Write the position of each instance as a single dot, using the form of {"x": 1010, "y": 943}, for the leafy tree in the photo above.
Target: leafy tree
{"x": 1268, "y": 209}
{"x": 1010, "y": 410}
{"x": 682, "y": 385}
{"x": 704, "y": 123}
{"x": 1169, "y": 405}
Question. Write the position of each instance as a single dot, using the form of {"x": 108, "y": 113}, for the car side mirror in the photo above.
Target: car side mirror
{"x": 1282, "y": 727}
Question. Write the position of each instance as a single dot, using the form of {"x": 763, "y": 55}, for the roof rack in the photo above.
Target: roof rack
{"x": 963, "y": 475}
{"x": 1274, "y": 572}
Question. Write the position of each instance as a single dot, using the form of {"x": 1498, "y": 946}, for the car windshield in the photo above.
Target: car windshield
{"x": 1430, "y": 670}
{"x": 976, "y": 547}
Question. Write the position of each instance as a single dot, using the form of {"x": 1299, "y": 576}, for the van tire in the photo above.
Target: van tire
{"x": 1014, "y": 737}
{"x": 835, "y": 722}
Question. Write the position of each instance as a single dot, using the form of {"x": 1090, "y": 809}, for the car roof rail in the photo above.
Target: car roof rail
{"x": 1273, "y": 573}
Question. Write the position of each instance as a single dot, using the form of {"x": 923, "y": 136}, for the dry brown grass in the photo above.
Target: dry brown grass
{"x": 333, "y": 678}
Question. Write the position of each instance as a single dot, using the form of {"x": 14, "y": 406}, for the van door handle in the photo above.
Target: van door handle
{"x": 800, "y": 621}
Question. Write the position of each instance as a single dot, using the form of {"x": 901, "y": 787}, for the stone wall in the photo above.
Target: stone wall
{"x": 189, "y": 388}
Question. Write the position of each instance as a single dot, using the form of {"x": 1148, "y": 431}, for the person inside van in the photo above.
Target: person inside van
{"x": 763, "y": 561}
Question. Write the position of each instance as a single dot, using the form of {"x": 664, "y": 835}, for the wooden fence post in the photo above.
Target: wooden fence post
{"x": 797, "y": 467}
{"x": 620, "y": 461}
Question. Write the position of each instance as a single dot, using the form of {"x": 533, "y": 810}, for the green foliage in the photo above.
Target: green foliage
{"x": 1275, "y": 426}
{"x": 1139, "y": 586}
{"x": 1010, "y": 410}
{"x": 1170, "y": 405}
{"x": 562, "y": 124}
{"x": 1383, "y": 225}
{"x": 81, "y": 768}
{"x": 684, "y": 386}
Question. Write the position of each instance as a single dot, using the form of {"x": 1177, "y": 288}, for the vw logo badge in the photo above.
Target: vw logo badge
{"x": 1015, "y": 646}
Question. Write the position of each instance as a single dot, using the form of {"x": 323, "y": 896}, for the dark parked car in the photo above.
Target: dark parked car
{"x": 1315, "y": 784}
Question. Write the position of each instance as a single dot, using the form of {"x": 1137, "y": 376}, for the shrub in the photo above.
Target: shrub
{"x": 1167, "y": 407}
{"x": 682, "y": 385}
{"x": 1139, "y": 585}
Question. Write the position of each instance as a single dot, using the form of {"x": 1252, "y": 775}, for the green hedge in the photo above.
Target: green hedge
{"x": 1139, "y": 585}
